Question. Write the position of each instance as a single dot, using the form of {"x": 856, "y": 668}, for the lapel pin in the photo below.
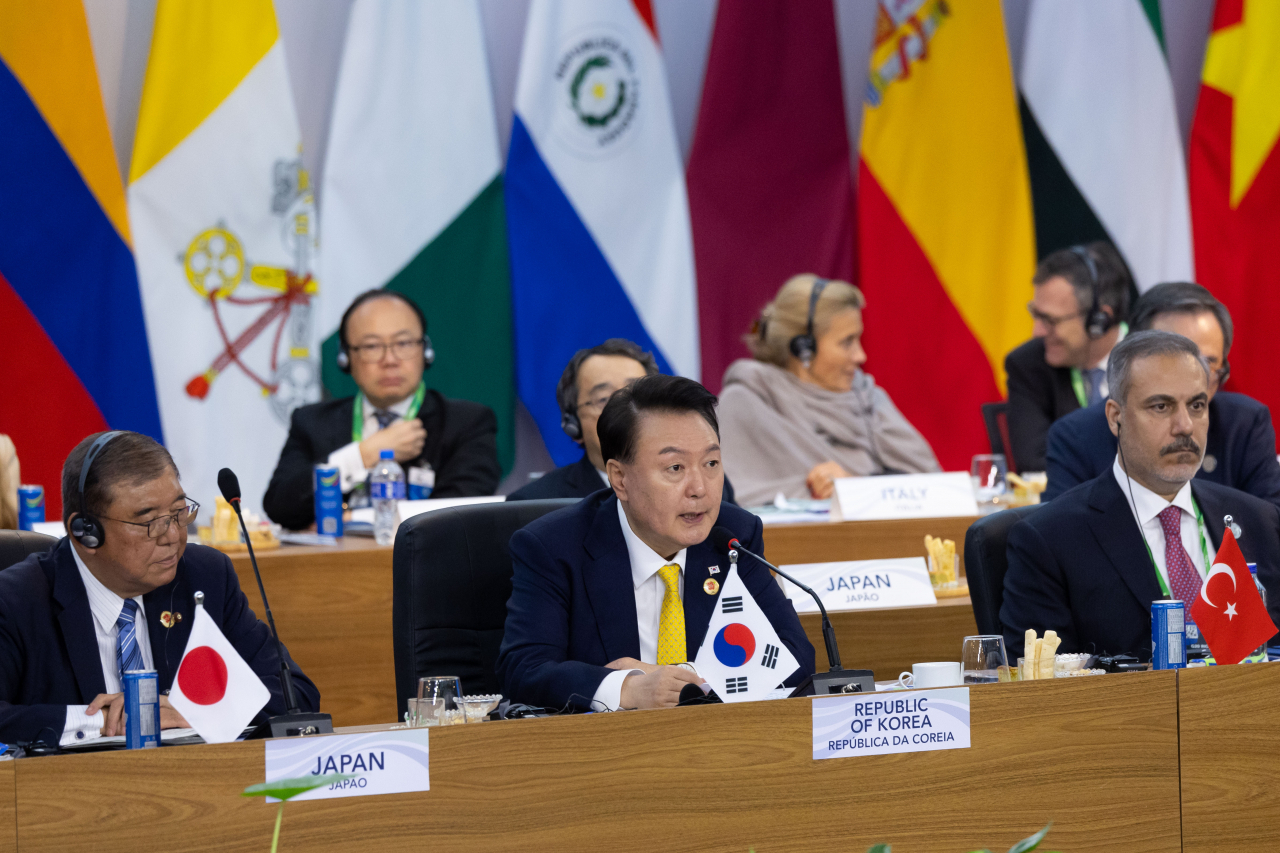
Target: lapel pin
{"x": 711, "y": 587}
{"x": 168, "y": 619}
{"x": 715, "y": 570}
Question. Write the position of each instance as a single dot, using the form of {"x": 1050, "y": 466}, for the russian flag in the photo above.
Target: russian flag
{"x": 597, "y": 215}
{"x": 76, "y": 358}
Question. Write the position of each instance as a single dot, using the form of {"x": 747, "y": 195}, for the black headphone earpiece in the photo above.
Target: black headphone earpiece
{"x": 1096, "y": 322}
{"x": 86, "y": 529}
{"x": 805, "y": 347}
{"x": 571, "y": 425}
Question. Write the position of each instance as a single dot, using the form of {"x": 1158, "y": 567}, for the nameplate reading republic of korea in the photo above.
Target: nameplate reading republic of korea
{"x": 862, "y": 584}
{"x": 897, "y": 721}
{"x": 903, "y": 496}
{"x": 393, "y": 762}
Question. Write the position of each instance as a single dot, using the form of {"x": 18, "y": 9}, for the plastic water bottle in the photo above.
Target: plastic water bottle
{"x": 1259, "y": 655}
{"x": 386, "y": 486}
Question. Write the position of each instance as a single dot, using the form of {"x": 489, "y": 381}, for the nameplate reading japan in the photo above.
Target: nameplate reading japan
{"x": 903, "y": 496}
{"x": 884, "y": 723}
{"x": 392, "y": 762}
{"x": 862, "y": 584}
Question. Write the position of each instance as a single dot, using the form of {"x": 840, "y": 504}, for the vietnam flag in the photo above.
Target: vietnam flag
{"x": 1234, "y": 181}
{"x": 215, "y": 690}
{"x": 1233, "y": 619}
{"x": 946, "y": 244}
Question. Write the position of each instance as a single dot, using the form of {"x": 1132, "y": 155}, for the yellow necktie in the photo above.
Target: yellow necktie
{"x": 671, "y": 642}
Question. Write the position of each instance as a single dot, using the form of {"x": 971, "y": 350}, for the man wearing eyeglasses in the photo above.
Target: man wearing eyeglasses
{"x": 447, "y": 447}
{"x": 1079, "y": 311}
{"x": 117, "y": 594}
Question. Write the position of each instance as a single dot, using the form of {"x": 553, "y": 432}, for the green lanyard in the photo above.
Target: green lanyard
{"x": 1204, "y": 552}
{"x": 357, "y": 412}
{"x": 1077, "y": 385}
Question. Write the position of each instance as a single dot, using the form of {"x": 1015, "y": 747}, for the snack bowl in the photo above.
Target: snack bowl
{"x": 1066, "y": 664}
{"x": 479, "y": 707}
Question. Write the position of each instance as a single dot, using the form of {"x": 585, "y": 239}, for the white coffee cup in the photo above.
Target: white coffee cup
{"x": 933, "y": 674}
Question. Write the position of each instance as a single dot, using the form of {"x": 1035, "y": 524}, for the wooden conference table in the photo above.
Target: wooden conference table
{"x": 332, "y": 606}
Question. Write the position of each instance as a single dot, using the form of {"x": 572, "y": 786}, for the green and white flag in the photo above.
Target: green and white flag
{"x": 412, "y": 195}
{"x": 1103, "y": 145}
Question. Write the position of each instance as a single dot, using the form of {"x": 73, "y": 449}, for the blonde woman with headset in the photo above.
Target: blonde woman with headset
{"x": 802, "y": 413}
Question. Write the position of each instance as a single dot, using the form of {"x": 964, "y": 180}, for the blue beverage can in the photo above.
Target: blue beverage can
{"x": 141, "y": 708}
{"x": 328, "y": 482}
{"x": 1168, "y": 635}
{"x": 30, "y": 506}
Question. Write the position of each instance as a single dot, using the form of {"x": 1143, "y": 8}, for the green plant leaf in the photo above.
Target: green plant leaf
{"x": 880, "y": 848}
{"x": 1028, "y": 844}
{"x": 285, "y": 789}
{"x": 983, "y": 850}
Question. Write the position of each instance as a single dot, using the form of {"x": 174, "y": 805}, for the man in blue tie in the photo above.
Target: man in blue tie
{"x": 116, "y": 595}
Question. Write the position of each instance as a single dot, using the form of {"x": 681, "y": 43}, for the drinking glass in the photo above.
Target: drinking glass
{"x": 981, "y": 657}
{"x": 438, "y": 700}
{"x": 988, "y": 472}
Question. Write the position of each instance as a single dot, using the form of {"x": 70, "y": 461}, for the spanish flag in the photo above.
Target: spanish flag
{"x": 946, "y": 241}
{"x": 1234, "y": 180}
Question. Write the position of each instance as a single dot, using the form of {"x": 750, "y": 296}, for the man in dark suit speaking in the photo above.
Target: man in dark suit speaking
{"x": 1089, "y": 563}
{"x": 115, "y": 595}
{"x": 612, "y": 597}
{"x": 448, "y": 448}
{"x": 1240, "y": 449}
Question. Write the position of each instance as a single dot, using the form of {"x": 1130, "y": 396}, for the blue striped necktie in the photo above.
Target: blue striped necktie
{"x": 128, "y": 653}
{"x": 385, "y": 418}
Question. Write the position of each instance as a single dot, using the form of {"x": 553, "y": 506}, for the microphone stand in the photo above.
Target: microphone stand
{"x": 836, "y": 679}
{"x": 293, "y": 721}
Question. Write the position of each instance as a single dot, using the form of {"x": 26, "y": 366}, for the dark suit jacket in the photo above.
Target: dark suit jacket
{"x": 461, "y": 446}
{"x": 1038, "y": 396}
{"x": 1241, "y": 444}
{"x": 1078, "y": 565}
{"x": 573, "y": 607}
{"x": 578, "y": 480}
{"x": 49, "y": 651}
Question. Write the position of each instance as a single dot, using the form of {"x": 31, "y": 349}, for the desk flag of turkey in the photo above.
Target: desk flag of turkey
{"x": 741, "y": 656}
{"x": 1229, "y": 611}
{"x": 215, "y": 690}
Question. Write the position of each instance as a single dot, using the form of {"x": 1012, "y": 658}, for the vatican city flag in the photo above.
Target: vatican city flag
{"x": 223, "y": 225}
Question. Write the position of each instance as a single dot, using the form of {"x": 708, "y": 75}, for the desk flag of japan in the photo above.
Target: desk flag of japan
{"x": 1229, "y": 612}
{"x": 741, "y": 656}
{"x": 215, "y": 690}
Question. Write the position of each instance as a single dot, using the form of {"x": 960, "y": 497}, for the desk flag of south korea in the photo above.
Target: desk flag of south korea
{"x": 215, "y": 690}
{"x": 1229, "y": 611}
{"x": 741, "y": 656}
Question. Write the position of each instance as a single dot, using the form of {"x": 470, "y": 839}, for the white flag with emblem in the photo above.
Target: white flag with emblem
{"x": 741, "y": 656}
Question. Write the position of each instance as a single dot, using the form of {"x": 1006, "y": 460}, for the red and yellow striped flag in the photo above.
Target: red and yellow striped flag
{"x": 946, "y": 240}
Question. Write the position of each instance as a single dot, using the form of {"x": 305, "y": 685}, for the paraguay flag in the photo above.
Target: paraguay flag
{"x": 76, "y": 358}
{"x": 597, "y": 215}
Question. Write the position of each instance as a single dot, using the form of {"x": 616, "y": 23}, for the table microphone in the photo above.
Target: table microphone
{"x": 292, "y": 721}
{"x": 836, "y": 679}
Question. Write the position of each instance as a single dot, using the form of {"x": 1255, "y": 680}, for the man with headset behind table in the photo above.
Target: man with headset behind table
{"x": 1080, "y": 307}
{"x": 447, "y": 447}
{"x": 115, "y": 595}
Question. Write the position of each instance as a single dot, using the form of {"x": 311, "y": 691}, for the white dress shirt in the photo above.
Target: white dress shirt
{"x": 1147, "y": 505}
{"x": 347, "y": 459}
{"x": 105, "y": 607}
{"x": 649, "y": 591}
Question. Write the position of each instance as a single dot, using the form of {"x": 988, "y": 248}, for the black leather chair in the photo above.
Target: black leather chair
{"x": 451, "y": 578}
{"x": 995, "y": 416}
{"x": 15, "y": 545}
{"x": 985, "y": 563}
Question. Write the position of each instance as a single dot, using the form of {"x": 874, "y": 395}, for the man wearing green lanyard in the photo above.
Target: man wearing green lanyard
{"x": 447, "y": 447}
{"x": 1089, "y": 563}
{"x": 1079, "y": 311}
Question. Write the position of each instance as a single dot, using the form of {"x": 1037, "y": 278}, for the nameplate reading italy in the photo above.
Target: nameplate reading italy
{"x": 903, "y": 496}
{"x": 392, "y": 762}
{"x": 862, "y": 584}
{"x": 884, "y": 723}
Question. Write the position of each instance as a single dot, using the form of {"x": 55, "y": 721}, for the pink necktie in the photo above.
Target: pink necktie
{"x": 1184, "y": 580}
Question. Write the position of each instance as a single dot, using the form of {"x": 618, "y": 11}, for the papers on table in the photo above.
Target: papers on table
{"x": 408, "y": 509}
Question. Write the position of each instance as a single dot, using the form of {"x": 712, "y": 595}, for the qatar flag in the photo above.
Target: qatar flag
{"x": 1231, "y": 616}
{"x": 215, "y": 690}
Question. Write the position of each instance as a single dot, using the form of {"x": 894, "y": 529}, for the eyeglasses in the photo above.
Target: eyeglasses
{"x": 596, "y": 403}
{"x": 374, "y": 353}
{"x": 1051, "y": 322}
{"x": 159, "y": 526}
